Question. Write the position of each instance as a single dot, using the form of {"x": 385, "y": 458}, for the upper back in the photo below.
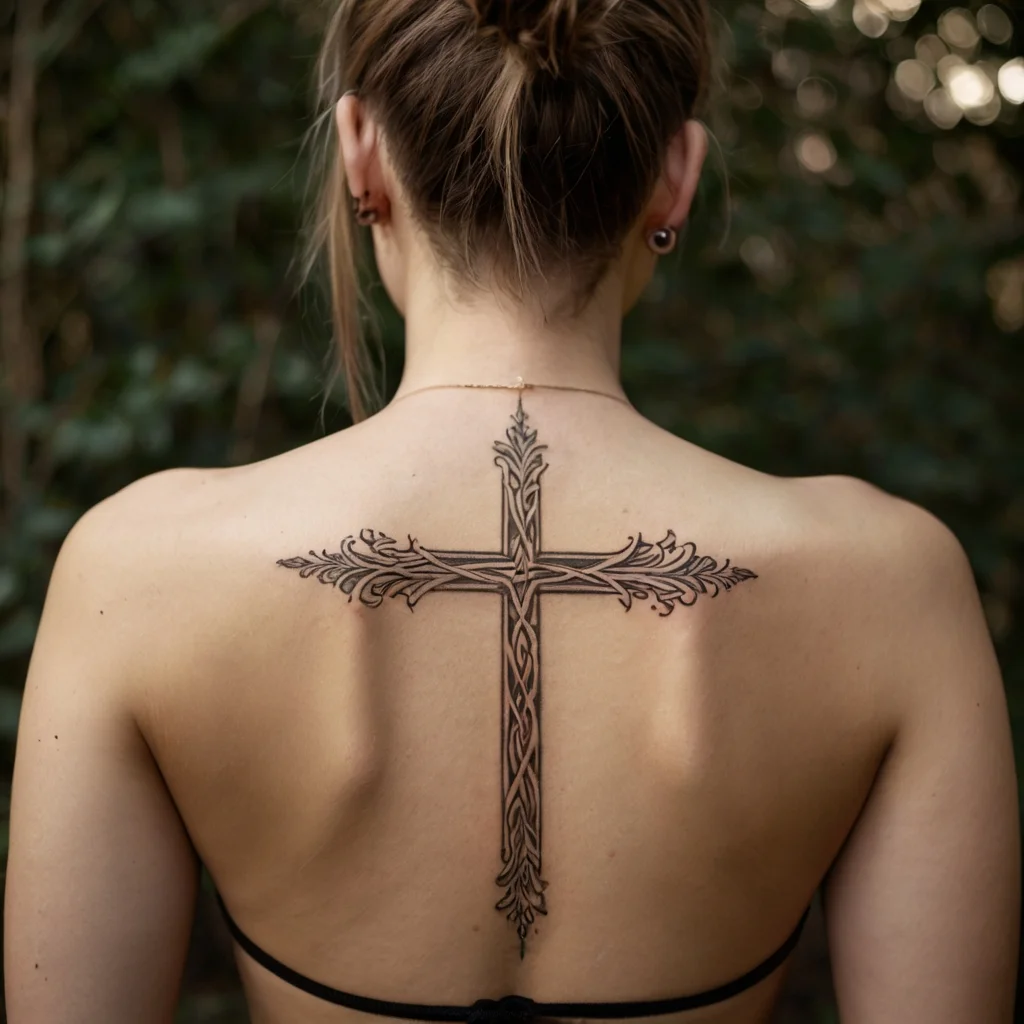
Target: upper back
{"x": 661, "y": 752}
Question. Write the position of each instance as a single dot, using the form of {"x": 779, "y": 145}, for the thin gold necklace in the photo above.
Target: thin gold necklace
{"x": 520, "y": 386}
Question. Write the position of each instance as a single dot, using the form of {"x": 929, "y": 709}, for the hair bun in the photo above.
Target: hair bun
{"x": 549, "y": 31}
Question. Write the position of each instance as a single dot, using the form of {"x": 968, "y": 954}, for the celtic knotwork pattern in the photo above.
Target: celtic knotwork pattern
{"x": 373, "y": 566}
{"x": 520, "y": 770}
{"x": 666, "y": 573}
{"x": 522, "y": 465}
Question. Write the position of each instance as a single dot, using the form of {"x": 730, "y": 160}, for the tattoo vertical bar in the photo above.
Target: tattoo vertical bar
{"x": 522, "y": 464}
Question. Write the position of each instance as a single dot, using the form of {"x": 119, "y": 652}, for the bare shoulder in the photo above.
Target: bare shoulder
{"x": 841, "y": 558}
{"x": 148, "y": 518}
{"x": 857, "y": 506}
{"x": 191, "y": 512}
{"x": 867, "y": 526}
{"x": 836, "y": 532}
{"x": 134, "y": 564}
{"x": 155, "y": 548}
{"x": 881, "y": 574}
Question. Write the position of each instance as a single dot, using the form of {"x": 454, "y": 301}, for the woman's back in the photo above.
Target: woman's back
{"x": 339, "y": 766}
{"x": 505, "y": 692}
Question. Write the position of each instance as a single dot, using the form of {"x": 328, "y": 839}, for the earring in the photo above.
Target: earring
{"x": 663, "y": 241}
{"x": 365, "y": 215}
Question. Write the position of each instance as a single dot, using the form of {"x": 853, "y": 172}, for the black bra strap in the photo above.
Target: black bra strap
{"x": 513, "y": 1008}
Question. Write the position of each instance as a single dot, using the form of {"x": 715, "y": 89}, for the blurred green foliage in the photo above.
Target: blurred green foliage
{"x": 850, "y": 298}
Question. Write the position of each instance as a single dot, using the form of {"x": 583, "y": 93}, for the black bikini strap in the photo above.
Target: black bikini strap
{"x": 512, "y": 1009}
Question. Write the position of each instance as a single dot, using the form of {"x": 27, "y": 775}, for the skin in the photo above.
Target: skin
{"x": 839, "y": 722}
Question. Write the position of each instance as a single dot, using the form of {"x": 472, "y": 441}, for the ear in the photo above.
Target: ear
{"x": 684, "y": 163}
{"x": 360, "y": 151}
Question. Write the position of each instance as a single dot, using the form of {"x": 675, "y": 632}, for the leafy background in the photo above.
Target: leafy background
{"x": 850, "y": 297}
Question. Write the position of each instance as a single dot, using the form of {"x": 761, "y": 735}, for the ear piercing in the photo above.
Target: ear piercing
{"x": 364, "y": 213}
{"x": 663, "y": 241}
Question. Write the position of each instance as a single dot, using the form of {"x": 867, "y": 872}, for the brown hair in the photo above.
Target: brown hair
{"x": 527, "y": 135}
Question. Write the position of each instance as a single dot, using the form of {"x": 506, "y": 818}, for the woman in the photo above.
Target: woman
{"x": 605, "y": 765}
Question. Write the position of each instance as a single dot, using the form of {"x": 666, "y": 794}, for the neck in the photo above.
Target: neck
{"x": 492, "y": 341}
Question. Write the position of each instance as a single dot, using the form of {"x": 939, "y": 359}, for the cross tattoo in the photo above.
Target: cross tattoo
{"x": 373, "y": 566}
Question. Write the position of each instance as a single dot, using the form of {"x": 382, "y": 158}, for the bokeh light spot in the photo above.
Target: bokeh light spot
{"x": 790, "y": 66}
{"x": 930, "y": 49}
{"x": 1011, "y": 80}
{"x": 944, "y": 69}
{"x": 816, "y": 152}
{"x": 901, "y": 10}
{"x": 871, "y": 21}
{"x": 994, "y": 24}
{"x": 1005, "y": 282}
{"x": 986, "y": 113}
{"x": 941, "y": 109}
{"x": 956, "y": 26}
{"x": 915, "y": 79}
{"x": 970, "y": 87}
{"x": 815, "y": 97}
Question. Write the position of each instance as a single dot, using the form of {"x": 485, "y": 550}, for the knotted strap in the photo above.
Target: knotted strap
{"x": 509, "y": 1010}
